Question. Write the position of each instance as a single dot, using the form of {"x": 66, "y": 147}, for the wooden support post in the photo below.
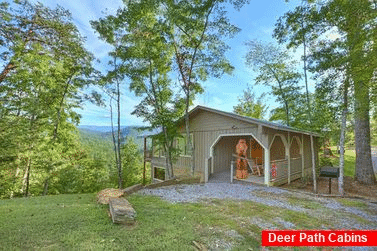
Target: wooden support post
{"x": 267, "y": 167}
{"x": 313, "y": 164}
{"x": 145, "y": 156}
{"x": 302, "y": 155}
{"x": 206, "y": 174}
{"x": 289, "y": 158}
{"x": 231, "y": 171}
{"x": 212, "y": 165}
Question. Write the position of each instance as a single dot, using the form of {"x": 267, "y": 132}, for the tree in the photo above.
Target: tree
{"x": 250, "y": 106}
{"x": 45, "y": 65}
{"x": 275, "y": 70}
{"x": 195, "y": 30}
{"x": 146, "y": 57}
{"x": 352, "y": 24}
{"x": 110, "y": 30}
{"x": 132, "y": 160}
{"x": 115, "y": 76}
{"x": 187, "y": 36}
{"x": 293, "y": 26}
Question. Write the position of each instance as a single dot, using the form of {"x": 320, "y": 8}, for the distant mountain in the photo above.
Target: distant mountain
{"x": 99, "y": 128}
{"x": 104, "y": 132}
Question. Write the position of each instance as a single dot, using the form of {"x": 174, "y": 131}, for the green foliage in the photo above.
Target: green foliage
{"x": 343, "y": 45}
{"x": 275, "y": 69}
{"x": 326, "y": 161}
{"x": 250, "y": 106}
{"x": 155, "y": 38}
{"x": 45, "y": 65}
{"x": 132, "y": 163}
{"x": 196, "y": 29}
{"x": 146, "y": 60}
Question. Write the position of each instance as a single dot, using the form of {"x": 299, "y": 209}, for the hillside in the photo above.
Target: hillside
{"x": 104, "y": 132}
{"x": 76, "y": 222}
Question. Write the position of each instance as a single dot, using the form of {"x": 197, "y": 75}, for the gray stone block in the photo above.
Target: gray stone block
{"x": 132, "y": 189}
{"x": 122, "y": 211}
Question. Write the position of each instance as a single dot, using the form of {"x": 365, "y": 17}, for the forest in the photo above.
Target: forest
{"x": 164, "y": 51}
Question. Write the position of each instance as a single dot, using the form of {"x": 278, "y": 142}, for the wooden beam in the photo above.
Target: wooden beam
{"x": 267, "y": 167}
{"x": 313, "y": 164}
{"x": 145, "y": 158}
{"x": 289, "y": 158}
{"x": 302, "y": 155}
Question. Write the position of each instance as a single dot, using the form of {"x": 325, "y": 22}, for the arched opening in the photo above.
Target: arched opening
{"x": 296, "y": 156}
{"x": 295, "y": 151}
{"x": 278, "y": 157}
{"x": 277, "y": 149}
{"x": 223, "y": 152}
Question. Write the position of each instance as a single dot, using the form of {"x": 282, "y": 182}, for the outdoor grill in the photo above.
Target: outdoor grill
{"x": 329, "y": 172}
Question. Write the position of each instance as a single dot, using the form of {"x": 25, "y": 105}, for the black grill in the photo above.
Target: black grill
{"x": 329, "y": 172}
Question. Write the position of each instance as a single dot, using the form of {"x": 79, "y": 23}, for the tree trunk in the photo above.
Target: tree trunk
{"x": 168, "y": 169}
{"x": 342, "y": 138}
{"x": 187, "y": 124}
{"x": 10, "y": 66}
{"x": 56, "y": 127}
{"x": 27, "y": 178}
{"x": 310, "y": 117}
{"x": 113, "y": 134}
{"x": 144, "y": 159}
{"x": 45, "y": 188}
{"x": 119, "y": 157}
{"x": 362, "y": 72}
{"x": 313, "y": 164}
{"x": 363, "y": 167}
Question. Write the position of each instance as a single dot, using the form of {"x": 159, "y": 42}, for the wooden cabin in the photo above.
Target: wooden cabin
{"x": 215, "y": 134}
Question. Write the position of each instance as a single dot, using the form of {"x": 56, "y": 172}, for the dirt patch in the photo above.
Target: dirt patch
{"x": 104, "y": 196}
{"x": 352, "y": 188}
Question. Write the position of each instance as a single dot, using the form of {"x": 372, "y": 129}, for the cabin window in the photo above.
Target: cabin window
{"x": 159, "y": 173}
{"x": 182, "y": 145}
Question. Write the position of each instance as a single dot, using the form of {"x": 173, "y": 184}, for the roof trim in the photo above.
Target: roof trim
{"x": 253, "y": 120}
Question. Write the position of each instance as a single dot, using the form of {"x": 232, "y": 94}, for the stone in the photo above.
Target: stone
{"x": 122, "y": 211}
{"x": 104, "y": 196}
{"x": 132, "y": 189}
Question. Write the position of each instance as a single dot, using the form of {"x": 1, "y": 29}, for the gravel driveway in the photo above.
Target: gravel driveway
{"x": 271, "y": 196}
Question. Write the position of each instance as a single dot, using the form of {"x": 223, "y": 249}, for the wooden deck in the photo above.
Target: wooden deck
{"x": 224, "y": 177}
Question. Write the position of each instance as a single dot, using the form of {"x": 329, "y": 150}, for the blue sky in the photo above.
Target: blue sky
{"x": 256, "y": 20}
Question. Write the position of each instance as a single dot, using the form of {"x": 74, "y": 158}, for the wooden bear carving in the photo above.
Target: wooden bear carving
{"x": 241, "y": 150}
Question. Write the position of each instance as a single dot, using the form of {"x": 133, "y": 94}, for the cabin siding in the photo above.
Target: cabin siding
{"x": 220, "y": 133}
{"x": 207, "y": 121}
{"x": 206, "y": 128}
{"x": 307, "y": 153}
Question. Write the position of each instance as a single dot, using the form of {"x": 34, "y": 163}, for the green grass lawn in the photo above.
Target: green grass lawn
{"x": 76, "y": 222}
{"x": 349, "y": 161}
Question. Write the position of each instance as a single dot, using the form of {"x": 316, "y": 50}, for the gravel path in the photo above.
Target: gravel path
{"x": 271, "y": 196}
{"x": 195, "y": 193}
